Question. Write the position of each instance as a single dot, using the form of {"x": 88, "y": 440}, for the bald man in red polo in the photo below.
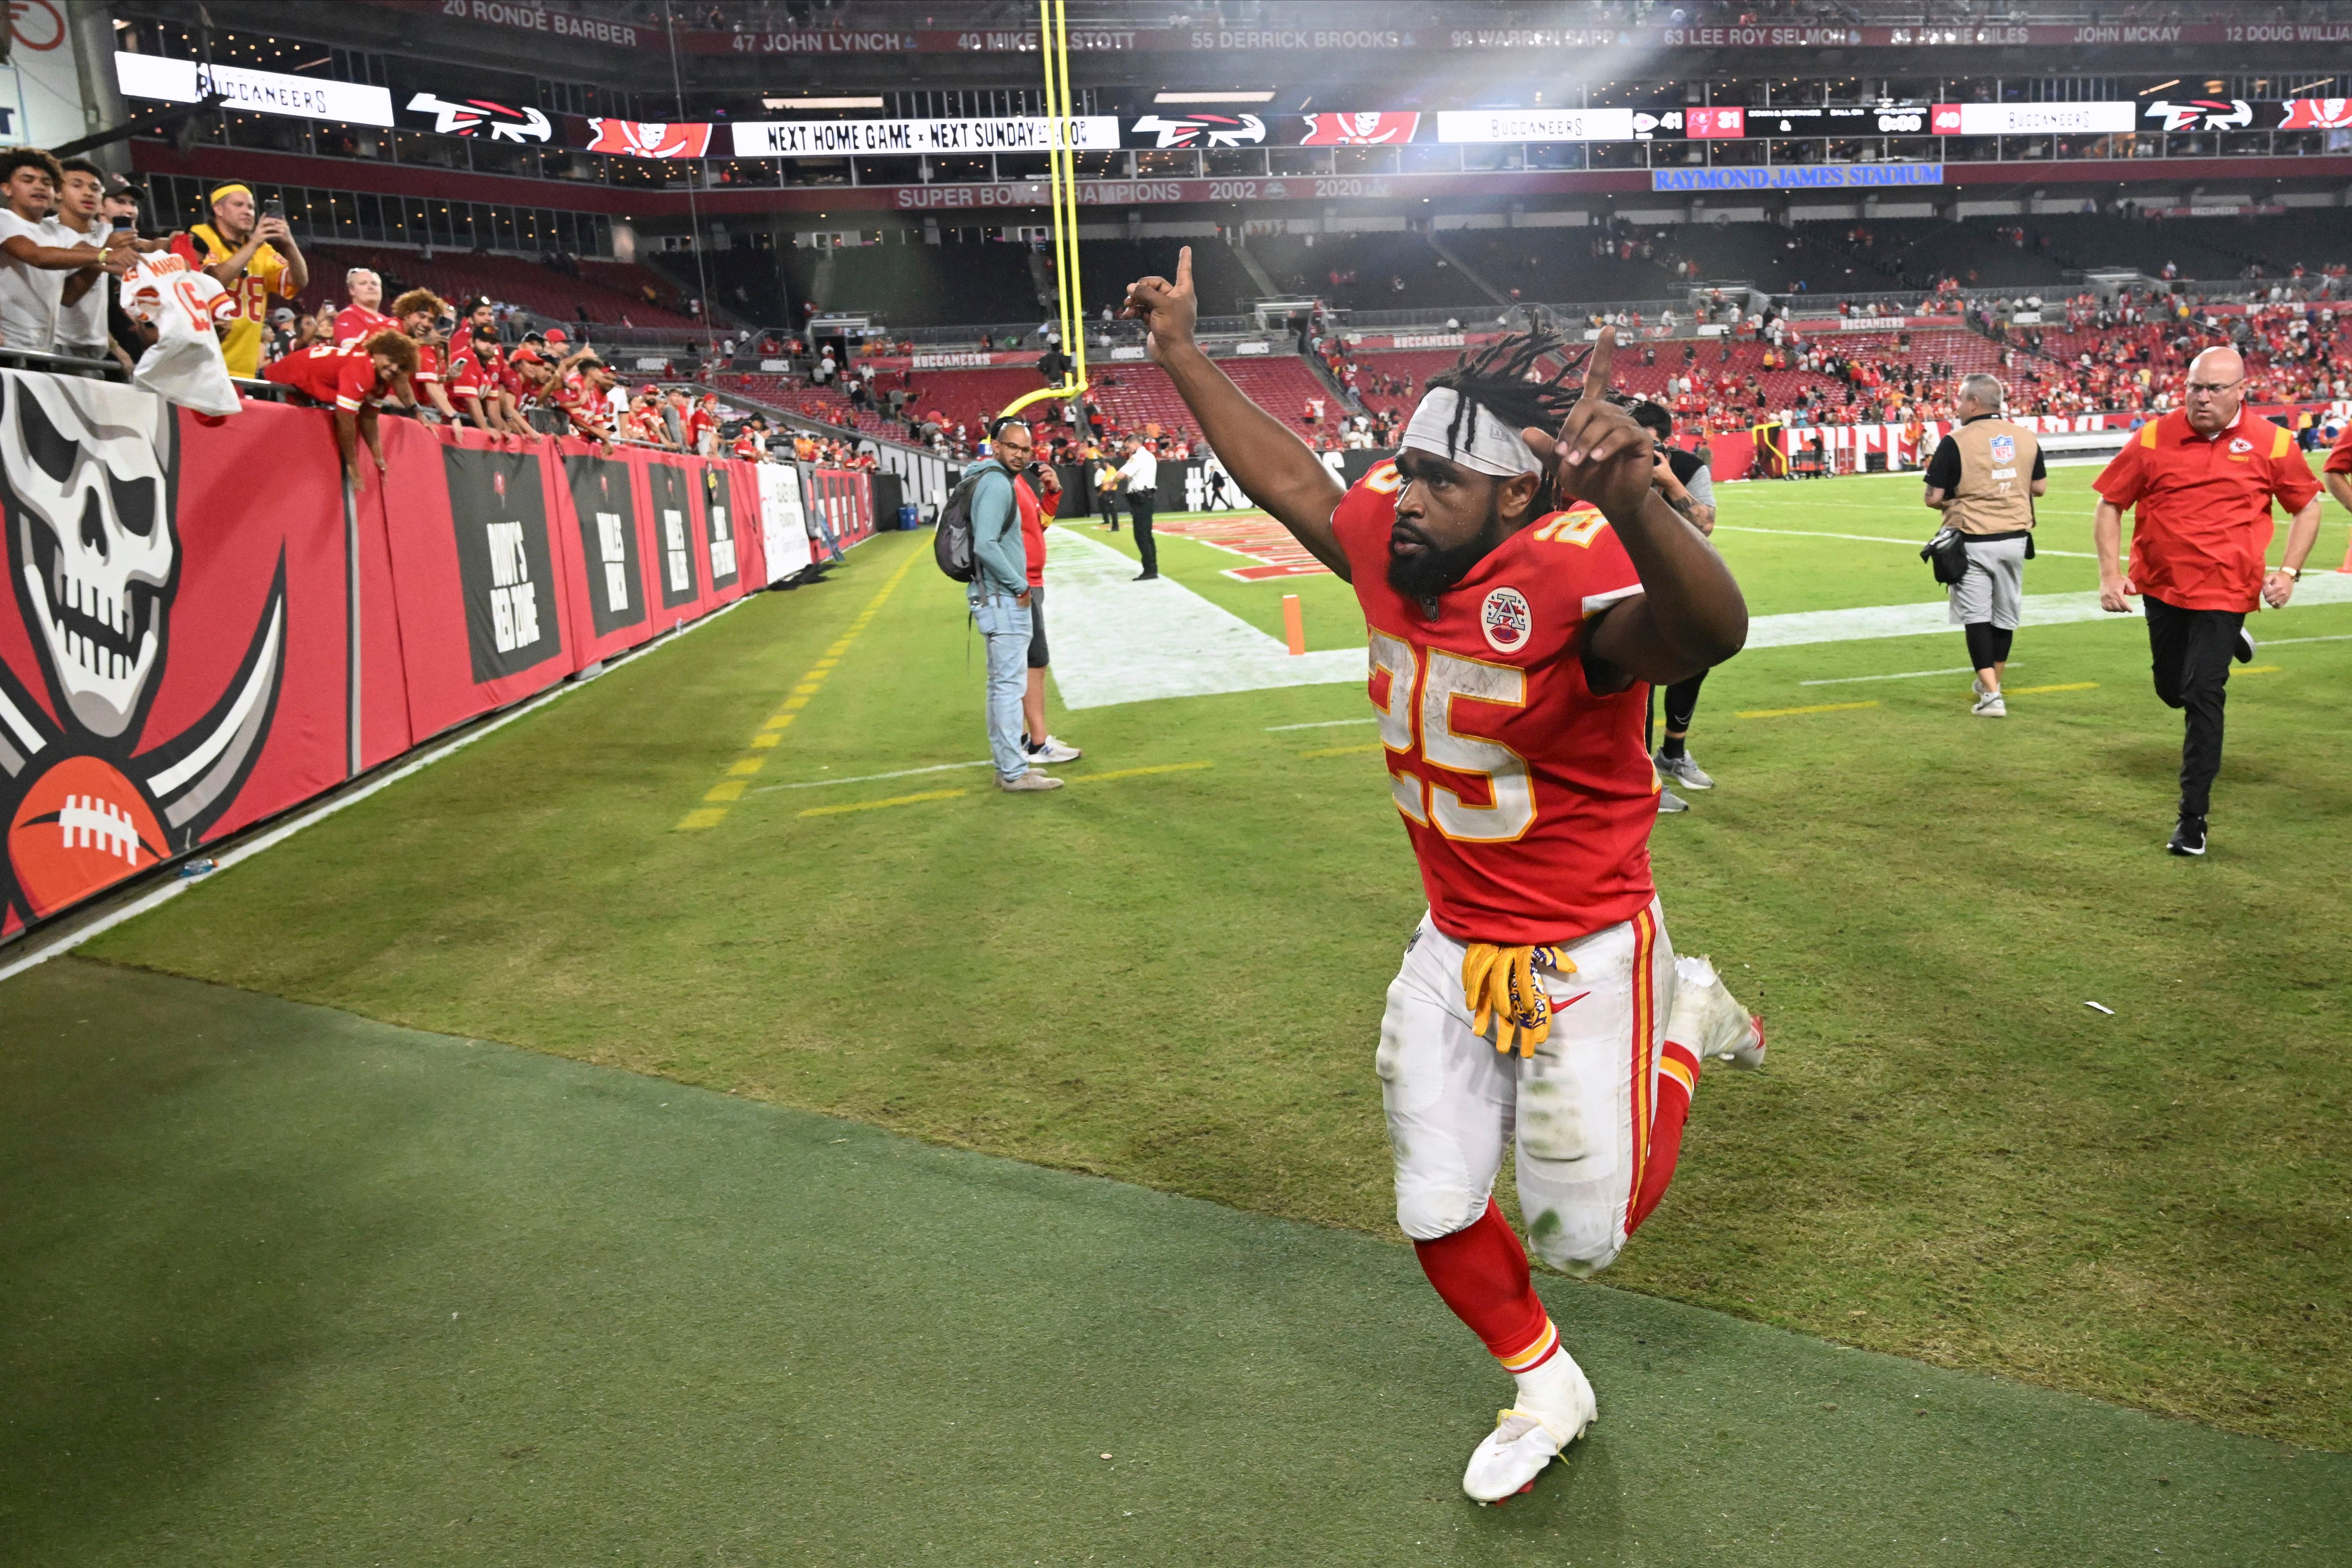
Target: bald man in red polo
{"x": 2201, "y": 480}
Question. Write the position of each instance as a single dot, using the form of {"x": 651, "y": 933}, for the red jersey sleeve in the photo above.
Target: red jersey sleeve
{"x": 2291, "y": 479}
{"x": 2340, "y": 456}
{"x": 2125, "y": 479}
{"x": 428, "y": 365}
{"x": 185, "y": 247}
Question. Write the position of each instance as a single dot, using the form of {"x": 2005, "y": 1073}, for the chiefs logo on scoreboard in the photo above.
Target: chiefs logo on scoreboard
{"x": 1381, "y": 128}
{"x": 649, "y": 139}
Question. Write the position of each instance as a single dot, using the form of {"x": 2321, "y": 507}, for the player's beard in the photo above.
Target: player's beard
{"x": 1434, "y": 572}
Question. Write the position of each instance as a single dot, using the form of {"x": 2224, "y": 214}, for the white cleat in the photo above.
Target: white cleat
{"x": 1708, "y": 1019}
{"x": 1523, "y": 1441}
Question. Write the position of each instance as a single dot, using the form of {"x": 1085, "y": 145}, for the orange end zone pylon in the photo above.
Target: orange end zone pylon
{"x": 1294, "y": 624}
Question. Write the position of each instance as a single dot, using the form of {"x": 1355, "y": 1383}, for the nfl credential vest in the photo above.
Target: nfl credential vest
{"x": 1995, "y": 495}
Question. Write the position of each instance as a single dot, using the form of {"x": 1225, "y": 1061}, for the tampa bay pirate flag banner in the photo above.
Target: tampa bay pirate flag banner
{"x": 195, "y": 640}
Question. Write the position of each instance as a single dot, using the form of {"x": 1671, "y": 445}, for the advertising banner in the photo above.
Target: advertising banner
{"x": 611, "y": 597}
{"x": 784, "y": 526}
{"x": 254, "y": 91}
{"x": 834, "y": 138}
{"x": 648, "y": 137}
{"x": 677, "y": 580}
{"x": 2032, "y": 119}
{"x": 185, "y": 652}
{"x": 1800, "y": 177}
{"x": 173, "y": 659}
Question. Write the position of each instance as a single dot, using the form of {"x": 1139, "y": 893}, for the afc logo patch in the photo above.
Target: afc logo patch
{"x": 1506, "y": 619}
{"x": 2004, "y": 450}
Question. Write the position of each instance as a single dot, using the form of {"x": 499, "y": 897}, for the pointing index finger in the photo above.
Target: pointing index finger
{"x": 1597, "y": 364}
{"x": 1184, "y": 270}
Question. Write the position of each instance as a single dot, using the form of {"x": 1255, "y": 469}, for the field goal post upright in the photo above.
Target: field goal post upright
{"x": 1061, "y": 165}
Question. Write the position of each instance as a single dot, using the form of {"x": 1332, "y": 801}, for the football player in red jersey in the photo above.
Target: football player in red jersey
{"x": 353, "y": 379}
{"x": 1513, "y": 644}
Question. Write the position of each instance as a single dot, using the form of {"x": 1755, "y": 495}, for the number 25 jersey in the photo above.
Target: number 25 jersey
{"x": 1528, "y": 796}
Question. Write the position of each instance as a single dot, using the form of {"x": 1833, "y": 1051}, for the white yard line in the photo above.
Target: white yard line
{"x": 1118, "y": 641}
{"x": 2039, "y": 610}
{"x": 870, "y": 778}
{"x": 1319, "y": 724}
{"x": 1903, "y": 675}
{"x": 42, "y": 949}
{"x": 1873, "y": 539}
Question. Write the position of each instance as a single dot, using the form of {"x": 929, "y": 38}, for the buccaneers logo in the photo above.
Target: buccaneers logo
{"x": 88, "y": 478}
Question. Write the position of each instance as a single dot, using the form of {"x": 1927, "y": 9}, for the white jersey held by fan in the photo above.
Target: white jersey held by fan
{"x": 185, "y": 364}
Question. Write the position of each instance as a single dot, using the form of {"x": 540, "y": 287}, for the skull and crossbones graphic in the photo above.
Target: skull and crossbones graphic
{"x": 88, "y": 486}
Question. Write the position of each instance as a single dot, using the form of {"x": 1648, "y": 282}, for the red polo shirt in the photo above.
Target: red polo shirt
{"x": 2203, "y": 505}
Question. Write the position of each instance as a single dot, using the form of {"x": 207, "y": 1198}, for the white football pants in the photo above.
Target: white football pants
{"x": 1581, "y": 1106}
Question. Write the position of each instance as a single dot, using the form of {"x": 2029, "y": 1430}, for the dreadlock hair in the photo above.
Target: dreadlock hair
{"x": 1495, "y": 379}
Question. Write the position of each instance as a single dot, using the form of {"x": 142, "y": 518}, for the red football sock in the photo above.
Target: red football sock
{"x": 1481, "y": 1271}
{"x": 1677, "y": 1077}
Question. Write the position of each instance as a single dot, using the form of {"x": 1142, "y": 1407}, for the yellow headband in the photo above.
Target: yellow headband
{"x": 228, "y": 191}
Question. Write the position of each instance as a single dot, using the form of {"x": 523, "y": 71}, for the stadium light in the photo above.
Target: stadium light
{"x": 1213, "y": 97}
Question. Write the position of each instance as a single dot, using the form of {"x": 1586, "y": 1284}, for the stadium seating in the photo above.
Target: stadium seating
{"x": 1370, "y": 267}
{"x": 607, "y": 290}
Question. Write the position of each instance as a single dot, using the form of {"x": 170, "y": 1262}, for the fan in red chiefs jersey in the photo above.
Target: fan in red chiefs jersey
{"x": 353, "y": 379}
{"x": 1523, "y": 590}
{"x": 360, "y": 319}
{"x": 415, "y": 313}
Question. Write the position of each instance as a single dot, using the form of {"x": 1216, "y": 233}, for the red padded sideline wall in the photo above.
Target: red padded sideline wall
{"x": 477, "y": 565}
{"x": 172, "y": 653}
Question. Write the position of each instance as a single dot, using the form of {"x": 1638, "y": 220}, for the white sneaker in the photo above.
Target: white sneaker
{"x": 1028, "y": 783}
{"x": 1049, "y": 751}
{"x": 1989, "y": 706}
{"x": 1684, "y": 770}
{"x": 1710, "y": 1020}
{"x": 1514, "y": 1454}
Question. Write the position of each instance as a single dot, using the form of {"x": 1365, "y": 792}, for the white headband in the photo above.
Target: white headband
{"x": 1485, "y": 444}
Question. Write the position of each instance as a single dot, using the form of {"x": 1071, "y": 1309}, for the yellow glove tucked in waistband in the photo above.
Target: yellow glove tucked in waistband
{"x": 1500, "y": 983}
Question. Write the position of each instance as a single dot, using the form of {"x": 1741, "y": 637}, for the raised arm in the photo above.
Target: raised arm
{"x": 1690, "y": 615}
{"x": 1272, "y": 465}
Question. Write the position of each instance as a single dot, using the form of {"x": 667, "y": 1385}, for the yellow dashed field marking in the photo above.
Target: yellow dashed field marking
{"x": 1138, "y": 772}
{"x": 1344, "y": 750}
{"x": 731, "y": 788}
{"x": 2261, "y": 670}
{"x": 877, "y": 805}
{"x": 2037, "y": 691}
{"x": 1790, "y": 712}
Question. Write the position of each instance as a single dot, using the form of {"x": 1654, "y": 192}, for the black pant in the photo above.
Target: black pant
{"x": 1682, "y": 704}
{"x": 2190, "y": 651}
{"x": 1138, "y": 511}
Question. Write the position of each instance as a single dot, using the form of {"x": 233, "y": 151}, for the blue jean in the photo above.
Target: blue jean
{"x": 1006, "y": 626}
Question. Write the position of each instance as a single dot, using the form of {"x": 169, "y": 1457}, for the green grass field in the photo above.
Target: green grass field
{"x": 1172, "y": 976}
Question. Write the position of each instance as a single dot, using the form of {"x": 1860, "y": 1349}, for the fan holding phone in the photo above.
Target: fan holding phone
{"x": 253, "y": 255}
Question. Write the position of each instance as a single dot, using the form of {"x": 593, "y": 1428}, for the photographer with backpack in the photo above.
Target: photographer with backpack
{"x": 999, "y": 594}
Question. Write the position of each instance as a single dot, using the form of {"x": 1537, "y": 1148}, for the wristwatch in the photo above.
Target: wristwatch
{"x": 2294, "y": 573}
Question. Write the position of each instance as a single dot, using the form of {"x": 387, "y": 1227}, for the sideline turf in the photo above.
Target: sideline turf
{"x": 1176, "y": 978}
{"x": 286, "y": 1286}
